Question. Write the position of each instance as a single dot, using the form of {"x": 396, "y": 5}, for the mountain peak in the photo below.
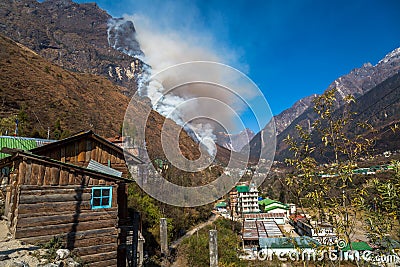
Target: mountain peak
{"x": 235, "y": 142}
{"x": 395, "y": 54}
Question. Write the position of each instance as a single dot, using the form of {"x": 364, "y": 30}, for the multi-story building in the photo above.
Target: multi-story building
{"x": 247, "y": 199}
{"x": 233, "y": 199}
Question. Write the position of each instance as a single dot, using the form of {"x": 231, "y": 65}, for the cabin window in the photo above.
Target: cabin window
{"x": 101, "y": 197}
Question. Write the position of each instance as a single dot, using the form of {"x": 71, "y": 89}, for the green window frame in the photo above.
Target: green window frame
{"x": 101, "y": 197}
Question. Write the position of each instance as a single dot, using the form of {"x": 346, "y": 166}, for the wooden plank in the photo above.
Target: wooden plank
{"x": 98, "y": 153}
{"x": 68, "y": 153}
{"x": 34, "y": 174}
{"x": 58, "y": 213}
{"x": 55, "y": 176}
{"x": 76, "y": 153}
{"x": 63, "y": 152}
{"x": 82, "y": 151}
{"x": 42, "y": 170}
{"x": 93, "y": 155}
{"x": 47, "y": 176}
{"x": 88, "y": 150}
{"x": 104, "y": 263}
{"x": 63, "y": 228}
{"x": 99, "y": 257}
{"x": 95, "y": 181}
{"x": 120, "y": 159}
{"x": 64, "y": 177}
{"x": 28, "y": 172}
{"x": 113, "y": 158}
{"x": 79, "y": 180}
{"x": 82, "y": 251}
{"x": 44, "y": 189}
{"x": 74, "y": 196}
{"x": 104, "y": 155}
{"x": 114, "y": 202}
{"x": 67, "y": 218}
{"x": 100, "y": 239}
{"x": 78, "y": 237}
{"x": 54, "y": 206}
{"x": 21, "y": 172}
{"x": 71, "y": 178}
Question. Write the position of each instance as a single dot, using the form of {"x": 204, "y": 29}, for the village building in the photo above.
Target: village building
{"x": 298, "y": 248}
{"x": 278, "y": 218}
{"x": 74, "y": 189}
{"x": 273, "y": 206}
{"x": 247, "y": 199}
{"x": 233, "y": 198}
{"x": 25, "y": 143}
{"x": 324, "y": 232}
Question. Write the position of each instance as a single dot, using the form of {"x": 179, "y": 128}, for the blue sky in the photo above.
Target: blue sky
{"x": 290, "y": 49}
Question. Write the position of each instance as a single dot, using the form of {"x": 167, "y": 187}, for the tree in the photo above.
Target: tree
{"x": 328, "y": 190}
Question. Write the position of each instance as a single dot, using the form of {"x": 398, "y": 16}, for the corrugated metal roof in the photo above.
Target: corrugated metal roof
{"x": 96, "y": 166}
{"x": 263, "y": 215}
{"x": 288, "y": 242}
{"x": 24, "y": 143}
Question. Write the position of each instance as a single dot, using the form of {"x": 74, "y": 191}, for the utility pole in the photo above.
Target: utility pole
{"x": 164, "y": 237}
{"x": 213, "y": 244}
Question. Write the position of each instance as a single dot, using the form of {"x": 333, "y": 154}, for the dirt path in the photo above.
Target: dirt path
{"x": 13, "y": 252}
{"x": 177, "y": 242}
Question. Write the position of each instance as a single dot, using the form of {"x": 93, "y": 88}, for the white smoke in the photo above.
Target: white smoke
{"x": 163, "y": 48}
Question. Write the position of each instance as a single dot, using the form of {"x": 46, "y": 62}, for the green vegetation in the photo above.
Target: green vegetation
{"x": 341, "y": 197}
{"x": 51, "y": 247}
{"x": 380, "y": 202}
{"x": 179, "y": 219}
{"x": 195, "y": 249}
{"x": 58, "y": 132}
{"x": 7, "y": 124}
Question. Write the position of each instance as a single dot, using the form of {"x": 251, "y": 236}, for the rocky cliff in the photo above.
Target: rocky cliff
{"x": 78, "y": 37}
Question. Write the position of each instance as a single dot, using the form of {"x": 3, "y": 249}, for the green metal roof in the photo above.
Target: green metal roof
{"x": 267, "y": 202}
{"x": 242, "y": 188}
{"x": 276, "y": 207}
{"x": 360, "y": 246}
{"x": 288, "y": 242}
{"x": 16, "y": 142}
{"x": 221, "y": 205}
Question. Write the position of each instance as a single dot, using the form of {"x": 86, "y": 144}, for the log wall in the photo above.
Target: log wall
{"x": 80, "y": 152}
{"x": 46, "y": 200}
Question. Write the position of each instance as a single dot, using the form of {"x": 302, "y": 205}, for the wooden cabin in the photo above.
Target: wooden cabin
{"x": 54, "y": 190}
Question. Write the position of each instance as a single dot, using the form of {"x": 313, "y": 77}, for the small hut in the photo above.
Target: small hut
{"x": 75, "y": 189}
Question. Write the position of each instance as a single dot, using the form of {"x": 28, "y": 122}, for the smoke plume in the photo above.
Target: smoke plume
{"x": 202, "y": 108}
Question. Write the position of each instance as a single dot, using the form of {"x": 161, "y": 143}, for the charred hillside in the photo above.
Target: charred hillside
{"x": 74, "y": 36}
{"x": 46, "y": 93}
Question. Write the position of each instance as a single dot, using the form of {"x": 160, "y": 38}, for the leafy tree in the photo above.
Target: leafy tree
{"x": 380, "y": 201}
{"x": 196, "y": 248}
{"x": 328, "y": 190}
